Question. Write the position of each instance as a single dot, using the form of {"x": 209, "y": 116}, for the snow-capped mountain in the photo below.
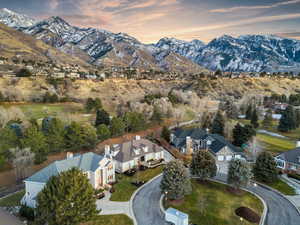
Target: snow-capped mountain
{"x": 107, "y": 48}
{"x": 15, "y": 20}
{"x": 251, "y": 53}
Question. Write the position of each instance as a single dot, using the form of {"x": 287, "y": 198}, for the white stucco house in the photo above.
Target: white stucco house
{"x": 100, "y": 170}
{"x": 133, "y": 153}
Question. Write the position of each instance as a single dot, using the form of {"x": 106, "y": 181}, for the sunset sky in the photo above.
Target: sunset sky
{"x": 150, "y": 20}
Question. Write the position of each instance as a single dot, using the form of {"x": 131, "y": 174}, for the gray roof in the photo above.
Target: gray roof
{"x": 85, "y": 162}
{"x": 126, "y": 150}
{"x": 291, "y": 156}
{"x": 218, "y": 141}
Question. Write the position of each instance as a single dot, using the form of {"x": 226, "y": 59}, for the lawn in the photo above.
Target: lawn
{"x": 111, "y": 220}
{"x": 124, "y": 189}
{"x": 275, "y": 144}
{"x": 40, "y": 110}
{"x": 283, "y": 187}
{"x": 12, "y": 200}
{"x": 212, "y": 204}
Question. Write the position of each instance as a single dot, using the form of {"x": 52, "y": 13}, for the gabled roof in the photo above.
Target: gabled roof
{"x": 85, "y": 162}
{"x": 218, "y": 141}
{"x": 291, "y": 156}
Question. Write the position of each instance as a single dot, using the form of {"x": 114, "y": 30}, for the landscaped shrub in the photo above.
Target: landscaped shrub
{"x": 27, "y": 212}
{"x": 247, "y": 214}
{"x": 295, "y": 176}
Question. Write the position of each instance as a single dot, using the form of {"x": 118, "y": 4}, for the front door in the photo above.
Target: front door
{"x": 143, "y": 159}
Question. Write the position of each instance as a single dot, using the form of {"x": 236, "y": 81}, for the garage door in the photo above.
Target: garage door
{"x": 220, "y": 158}
{"x": 228, "y": 158}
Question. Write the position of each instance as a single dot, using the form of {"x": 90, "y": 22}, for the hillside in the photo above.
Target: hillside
{"x": 120, "y": 91}
{"x": 14, "y": 43}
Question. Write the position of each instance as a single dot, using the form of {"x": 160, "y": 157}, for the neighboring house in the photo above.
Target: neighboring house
{"x": 99, "y": 169}
{"x": 133, "y": 153}
{"x": 289, "y": 161}
{"x": 190, "y": 140}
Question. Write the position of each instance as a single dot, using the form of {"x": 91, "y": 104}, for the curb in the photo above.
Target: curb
{"x": 133, "y": 196}
{"x": 279, "y": 193}
{"x": 162, "y": 208}
{"x": 264, "y": 214}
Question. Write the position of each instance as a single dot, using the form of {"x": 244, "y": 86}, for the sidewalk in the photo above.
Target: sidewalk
{"x": 7, "y": 219}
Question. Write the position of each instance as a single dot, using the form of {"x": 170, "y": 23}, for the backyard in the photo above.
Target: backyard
{"x": 212, "y": 203}
{"x": 124, "y": 188}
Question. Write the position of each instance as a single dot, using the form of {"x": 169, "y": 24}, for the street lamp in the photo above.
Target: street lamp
{"x": 255, "y": 184}
{"x": 241, "y": 219}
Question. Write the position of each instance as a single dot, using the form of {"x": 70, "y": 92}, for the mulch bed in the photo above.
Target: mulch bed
{"x": 235, "y": 191}
{"x": 248, "y": 214}
{"x": 175, "y": 202}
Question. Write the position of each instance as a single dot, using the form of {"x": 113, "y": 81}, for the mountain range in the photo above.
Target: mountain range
{"x": 248, "y": 53}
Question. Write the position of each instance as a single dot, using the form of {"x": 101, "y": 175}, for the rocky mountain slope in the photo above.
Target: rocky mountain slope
{"x": 16, "y": 20}
{"x": 14, "y": 43}
{"x": 105, "y": 48}
{"x": 249, "y": 53}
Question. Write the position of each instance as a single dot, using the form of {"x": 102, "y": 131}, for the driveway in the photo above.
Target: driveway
{"x": 147, "y": 211}
{"x": 108, "y": 207}
{"x": 7, "y": 219}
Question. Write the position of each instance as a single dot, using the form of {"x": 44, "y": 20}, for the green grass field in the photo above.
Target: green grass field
{"x": 12, "y": 200}
{"x": 111, "y": 220}
{"x": 283, "y": 187}
{"x": 211, "y": 203}
{"x": 275, "y": 144}
{"x": 124, "y": 188}
{"x": 41, "y": 110}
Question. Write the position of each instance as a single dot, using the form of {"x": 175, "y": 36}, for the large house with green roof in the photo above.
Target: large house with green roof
{"x": 100, "y": 170}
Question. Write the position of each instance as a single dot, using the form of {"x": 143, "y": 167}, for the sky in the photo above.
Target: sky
{"x": 150, "y": 20}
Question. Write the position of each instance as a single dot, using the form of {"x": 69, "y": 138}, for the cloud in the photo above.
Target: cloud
{"x": 237, "y": 23}
{"x": 53, "y": 4}
{"x": 295, "y": 35}
{"x": 227, "y": 10}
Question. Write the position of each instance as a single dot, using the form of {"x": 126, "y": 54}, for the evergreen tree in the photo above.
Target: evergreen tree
{"x": 103, "y": 132}
{"x": 265, "y": 169}
{"x": 36, "y": 141}
{"x": 288, "y": 120}
{"x": 93, "y": 104}
{"x": 117, "y": 127}
{"x": 242, "y": 134}
{"x": 297, "y": 118}
{"x": 102, "y": 117}
{"x": 165, "y": 134}
{"x": 249, "y": 112}
{"x": 8, "y": 140}
{"x": 175, "y": 181}
{"x": 24, "y": 73}
{"x": 203, "y": 165}
{"x": 267, "y": 122}
{"x": 218, "y": 124}
{"x": 134, "y": 121}
{"x": 239, "y": 173}
{"x": 67, "y": 199}
{"x": 254, "y": 119}
{"x": 56, "y": 135}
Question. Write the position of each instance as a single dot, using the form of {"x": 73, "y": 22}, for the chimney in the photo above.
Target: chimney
{"x": 70, "y": 155}
{"x": 137, "y": 137}
{"x": 107, "y": 150}
{"x": 189, "y": 147}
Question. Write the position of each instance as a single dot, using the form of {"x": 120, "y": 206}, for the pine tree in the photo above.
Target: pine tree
{"x": 249, "y": 112}
{"x": 288, "y": 120}
{"x": 242, "y": 134}
{"x": 102, "y": 117}
{"x": 218, "y": 124}
{"x": 103, "y": 132}
{"x": 239, "y": 173}
{"x": 175, "y": 181}
{"x": 36, "y": 141}
{"x": 117, "y": 127}
{"x": 67, "y": 199}
{"x": 56, "y": 135}
{"x": 254, "y": 119}
{"x": 267, "y": 122}
{"x": 265, "y": 169}
{"x": 165, "y": 134}
{"x": 157, "y": 116}
{"x": 203, "y": 165}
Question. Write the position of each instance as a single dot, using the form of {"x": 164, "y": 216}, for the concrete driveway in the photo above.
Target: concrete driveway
{"x": 7, "y": 219}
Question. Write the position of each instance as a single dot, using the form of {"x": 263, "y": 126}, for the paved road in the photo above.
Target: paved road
{"x": 7, "y": 219}
{"x": 147, "y": 212}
